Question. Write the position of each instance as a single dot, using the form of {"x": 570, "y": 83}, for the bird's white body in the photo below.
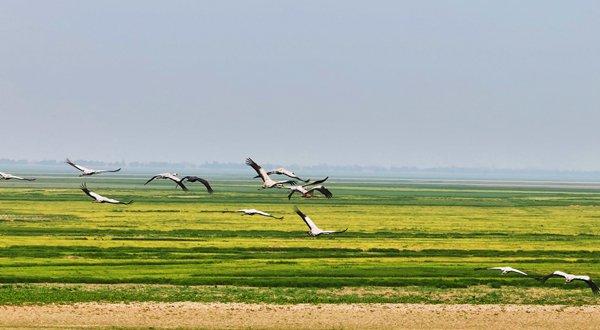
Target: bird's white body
{"x": 301, "y": 189}
{"x": 168, "y": 176}
{"x": 307, "y": 190}
{"x": 570, "y": 277}
{"x": 8, "y": 176}
{"x": 506, "y": 270}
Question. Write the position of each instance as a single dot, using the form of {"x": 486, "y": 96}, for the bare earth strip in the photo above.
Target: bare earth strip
{"x": 327, "y": 316}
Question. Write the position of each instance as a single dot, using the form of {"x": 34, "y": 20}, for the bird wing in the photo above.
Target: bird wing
{"x": 292, "y": 193}
{"x": 265, "y": 214}
{"x": 92, "y": 194}
{"x": 152, "y": 178}
{"x": 87, "y": 191}
{"x": 328, "y": 232}
{"x": 514, "y": 270}
{"x": 495, "y": 268}
{"x": 179, "y": 183}
{"x": 79, "y": 167}
{"x": 111, "y": 201}
{"x": 553, "y": 274}
{"x": 308, "y": 221}
{"x": 107, "y": 171}
{"x": 292, "y": 182}
{"x": 203, "y": 181}
{"x": 323, "y": 191}
{"x": 592, "y": 286}
{"x": 259, "y": 170}
{"x": 287, "y": 173}
{"x": 316, "y": 182}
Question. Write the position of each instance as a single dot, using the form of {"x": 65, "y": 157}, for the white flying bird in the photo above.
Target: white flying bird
{"x": 101, "y": 199}
{"x": 308, "y": 189}
{"x": 570, "y": 277}
{"x": 283, "y": 171}
{"x": 169, "y": 176}
{"x": 504, "y": 270}
{"x": 7, "y": 176}
{"x": 267, "y": 181}
{"x": 257, "y": 212}
{"x": 88, "y": 171}
{"x": 313, "y": 229}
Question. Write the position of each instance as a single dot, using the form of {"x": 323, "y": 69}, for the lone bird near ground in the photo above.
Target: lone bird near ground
{"x": 101, "y": 199}
{"x": 197, "y": 179}
{"x": 504, "y": 270}
{"x": 257, "y": 212}
{"x": 313, "y": 229}
{"x": 286, "y": 172}
{"x": 267, "y": 181}
{"x": 169, "y": 176}
{"x": 7, "y": 176}
{"x": 570, "y": 278}
{"x": 307, "y": 190}
{"x": 88, "y": 171}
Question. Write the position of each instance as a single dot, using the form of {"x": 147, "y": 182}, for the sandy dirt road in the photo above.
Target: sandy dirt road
{"x": 263, "y": 316}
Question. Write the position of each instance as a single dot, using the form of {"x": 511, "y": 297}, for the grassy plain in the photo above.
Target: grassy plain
{"x": 405, "y": 243}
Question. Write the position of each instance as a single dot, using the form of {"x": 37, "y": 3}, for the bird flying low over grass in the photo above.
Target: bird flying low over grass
{"x": 267, "y": 181}
{"x": 257, "y": 212}
{"x": 88, "y": 171}
{"x": 7, "y": 176}
{"x": 570, "y": 278}
{"x": 504, "y": 270}
{"x": 101, "y": 199}
{"x": 307, "y": 190}
{"x": 313, "y": 229}
{"x": 169, "y": 176}
{"x": 197, "y": 179}
{"x": 283, "y": 171}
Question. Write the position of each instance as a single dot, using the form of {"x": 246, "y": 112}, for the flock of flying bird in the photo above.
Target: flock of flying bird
{"x": 306, "y": 190}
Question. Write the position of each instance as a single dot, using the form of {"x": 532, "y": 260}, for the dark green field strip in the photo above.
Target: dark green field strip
{"x": 348, "y": 195}
{"x": 207, "y": 261}
{"x": 296, "y": 282}
{"x": 170, "y": 235}
{"x": 130, "y": 252}
{"x": 16, "y": 294}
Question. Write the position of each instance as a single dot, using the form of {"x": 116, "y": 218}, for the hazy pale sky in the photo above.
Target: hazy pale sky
{"x": 504, "y": 84}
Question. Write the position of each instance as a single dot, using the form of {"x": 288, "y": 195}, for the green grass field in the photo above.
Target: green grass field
{"x": 405, "y": 243}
